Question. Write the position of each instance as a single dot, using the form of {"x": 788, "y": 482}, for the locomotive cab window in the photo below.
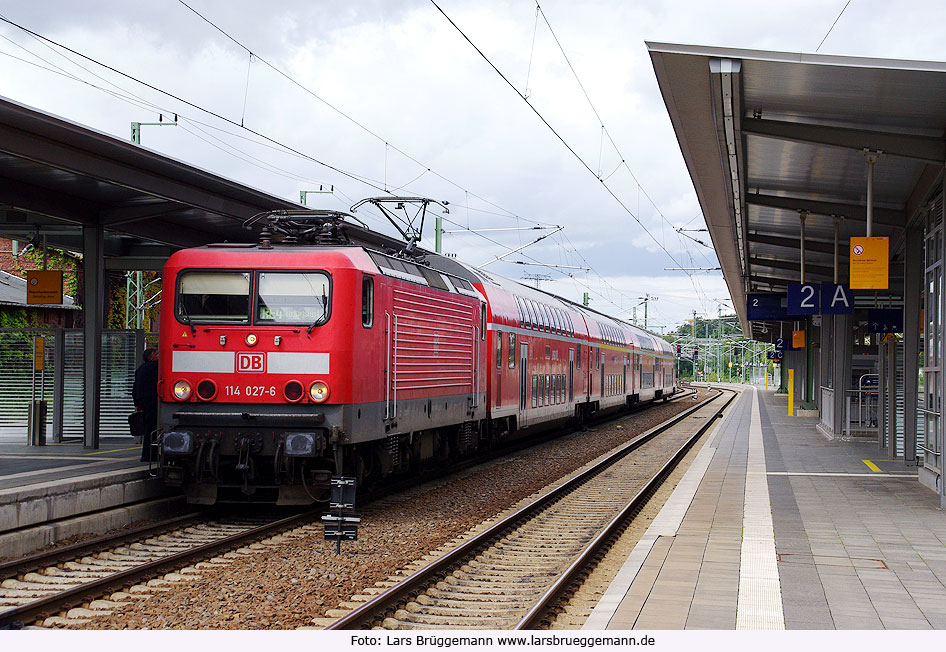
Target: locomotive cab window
{"x": 214, "y": 297}
{"x": 293, "y": 298}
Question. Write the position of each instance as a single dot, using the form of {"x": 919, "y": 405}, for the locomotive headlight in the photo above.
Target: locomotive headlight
{"x": 182, "y": 390}
{"x": 177, "y": 442}
{"x": 251, "y": 339}
{"x": 318, "y": 391}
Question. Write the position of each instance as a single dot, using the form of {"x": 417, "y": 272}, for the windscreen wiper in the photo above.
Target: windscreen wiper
{"x": 320, "y": 317}
{"x": 187, "y": 318}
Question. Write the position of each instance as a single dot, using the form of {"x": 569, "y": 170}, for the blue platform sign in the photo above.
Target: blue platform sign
{"x": 804, "y": 299}
{"x": 836, "y": 299}
{"x": 766, "y": 306}
{"x": 774, "y": 355}
{"x": 783, "y": 344}
{"x": 885, "y": 320}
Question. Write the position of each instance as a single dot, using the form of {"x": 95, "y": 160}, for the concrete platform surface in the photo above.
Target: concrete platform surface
{"x": 53, "y": 492}
{"x": 774, "y": 527}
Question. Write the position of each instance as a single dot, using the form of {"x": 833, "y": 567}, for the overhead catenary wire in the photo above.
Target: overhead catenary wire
{"x": 560, "y": 137}
{"x": 265, "y": 141}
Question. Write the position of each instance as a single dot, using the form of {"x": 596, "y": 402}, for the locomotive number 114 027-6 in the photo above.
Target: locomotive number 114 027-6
{"x": 249, "y": 390}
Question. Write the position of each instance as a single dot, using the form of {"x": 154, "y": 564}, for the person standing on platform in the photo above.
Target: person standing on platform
{"x": 145, "y": 395}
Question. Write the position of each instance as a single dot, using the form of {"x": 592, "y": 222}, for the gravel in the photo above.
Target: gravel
{"x": 301, "y": 579}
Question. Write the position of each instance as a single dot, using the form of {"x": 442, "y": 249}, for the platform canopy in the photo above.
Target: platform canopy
{"x": 57, "y": 176}
{"x": 770, "y": 136}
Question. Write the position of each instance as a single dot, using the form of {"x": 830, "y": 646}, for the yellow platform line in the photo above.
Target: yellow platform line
{"x": 870, "y": 465}
{"x": 114, "y": 450}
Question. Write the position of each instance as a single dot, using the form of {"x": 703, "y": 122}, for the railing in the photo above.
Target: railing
{"x": 863, "y": 406}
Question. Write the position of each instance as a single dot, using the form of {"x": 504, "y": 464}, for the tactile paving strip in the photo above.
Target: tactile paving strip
{"x": 760, "y": 596}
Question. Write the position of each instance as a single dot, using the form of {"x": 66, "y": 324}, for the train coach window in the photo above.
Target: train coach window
{"x": 512, "y": 350}
{"x": 499, "y": 349}
{"x": 522, "y": 318}
{"x": 367, "y": 301}
{"x": 293, "y": 298}
{"x": 578, "y": 355}
{"x": 214, "y": 297}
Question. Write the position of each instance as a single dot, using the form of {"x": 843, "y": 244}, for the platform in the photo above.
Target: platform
{"x": 775, "y": 527}
{"x": 53, "y": 492}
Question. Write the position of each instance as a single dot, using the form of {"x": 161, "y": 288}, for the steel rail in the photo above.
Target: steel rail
{"x": 18, "y": 616}
{"x": 14, "y": 567}
{"x": 532, "y": 618}
{"x": 384, "y": 601}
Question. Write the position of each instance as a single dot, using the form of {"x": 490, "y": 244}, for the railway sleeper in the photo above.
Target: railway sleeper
{"x": 459, "y": 621}
{"x": 482, "y": 609}
{"x": 504, "y": 606}
{"x": 482, "y": 588}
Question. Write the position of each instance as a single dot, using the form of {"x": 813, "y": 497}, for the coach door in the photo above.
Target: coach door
{"x": 523, "y": 375}
{"x": 571, "y": 375}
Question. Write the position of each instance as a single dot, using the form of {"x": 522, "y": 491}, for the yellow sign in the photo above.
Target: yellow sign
{"x": 44, "y": 286}
{"x": 39, "y": 348}
{"x": 870, "y": 259}
{"x": 798, "y": 339}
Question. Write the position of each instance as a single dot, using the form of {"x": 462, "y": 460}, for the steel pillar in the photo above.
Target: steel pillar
{"x": 912, "y": 300}
{"x": 93, "y": 312}
{"x": 843, "y": 347}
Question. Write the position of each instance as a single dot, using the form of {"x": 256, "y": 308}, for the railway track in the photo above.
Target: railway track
{"x": 48, "y": 583}
{"x": 509, "y": 575}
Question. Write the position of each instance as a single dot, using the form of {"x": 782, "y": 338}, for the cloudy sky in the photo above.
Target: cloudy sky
{"x": 392, "y": 97}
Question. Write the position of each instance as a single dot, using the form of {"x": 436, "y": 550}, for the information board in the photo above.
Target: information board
{"x": 885, "y": 320}
{"x": 870, "y": 259}
{"x": 836, "y": 299}
{"x": 804, "y": 299}
{"x": 798, "y": 339}
{"x": 769, "y": 306}
{"x": 44, "y": 286}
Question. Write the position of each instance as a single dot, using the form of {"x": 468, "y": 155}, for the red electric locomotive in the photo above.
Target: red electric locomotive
{"x": 327, "y": 349}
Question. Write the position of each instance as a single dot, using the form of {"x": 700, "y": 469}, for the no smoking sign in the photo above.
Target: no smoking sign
{"x": 858, "y": 250}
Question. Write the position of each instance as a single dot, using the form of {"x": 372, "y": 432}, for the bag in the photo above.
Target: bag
{"x": 136, "y": 423}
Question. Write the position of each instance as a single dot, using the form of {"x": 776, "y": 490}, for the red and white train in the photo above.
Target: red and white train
{"x": 284, "y": 364}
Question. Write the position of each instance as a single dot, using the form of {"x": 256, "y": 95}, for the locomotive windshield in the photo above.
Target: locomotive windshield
{"x": 214, "y": 297}
{"x": 293, "y": 298}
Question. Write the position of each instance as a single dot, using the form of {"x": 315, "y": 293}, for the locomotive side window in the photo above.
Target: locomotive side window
{"x": 367, "y": 301}
{"x": 434, "y": 279}
{"x": 293, "y": 298}
{"x": 211, "y": 297}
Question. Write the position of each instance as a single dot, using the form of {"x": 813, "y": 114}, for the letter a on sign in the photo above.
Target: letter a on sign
{"x": 836, "y": 299}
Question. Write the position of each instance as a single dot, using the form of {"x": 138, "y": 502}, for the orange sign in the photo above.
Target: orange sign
{"x": 798, "y": 339}
{"x": 39, "y": 349}
{"x": 870, "y": 259}
{"x": 44, "y": 286}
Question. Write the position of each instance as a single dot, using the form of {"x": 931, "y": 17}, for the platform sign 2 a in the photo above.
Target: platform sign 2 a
{"x": 804, "y": 299}
{"x": 766, "y": 306}
{"x": 885, "y": 320}
{"x": 836, "y": 299}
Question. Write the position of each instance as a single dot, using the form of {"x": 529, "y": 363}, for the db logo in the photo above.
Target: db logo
{"x": 251, "y": 362}
{"x": 858, "y": 250}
